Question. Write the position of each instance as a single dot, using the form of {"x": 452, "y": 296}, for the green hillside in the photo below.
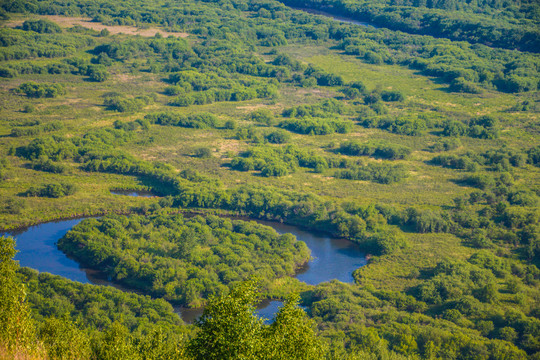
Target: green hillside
{"x": 416, "y": 138}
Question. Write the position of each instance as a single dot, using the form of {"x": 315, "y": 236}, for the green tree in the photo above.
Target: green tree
{"x": 116, "y": 343}
{"x": 97, "y": 73}
{"x": 292, "y": 334}
{"x": 17, "y": 329}
{"x": 63, "y": 340}
{"x": 228, "y": 327}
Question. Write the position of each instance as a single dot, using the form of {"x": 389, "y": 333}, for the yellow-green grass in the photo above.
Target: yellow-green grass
{"x": 81, "y": 109}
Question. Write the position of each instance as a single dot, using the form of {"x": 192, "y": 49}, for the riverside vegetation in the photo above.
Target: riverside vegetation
{"x": 417, "y": 139}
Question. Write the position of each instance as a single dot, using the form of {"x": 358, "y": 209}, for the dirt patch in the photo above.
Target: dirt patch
{"x": 147, "y": 157}
{"x": 249, "y": 108}
{"x": 232, "y": 145}
{"x": 123, "y": 77}
{"x": 67, "y": 21}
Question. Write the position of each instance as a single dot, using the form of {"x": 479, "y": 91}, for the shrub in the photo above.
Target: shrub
{"x": 230, "y": 124}
{"x": 534, "y": 155}
{"x": 278, "y": 137}
{"x": 29, "y": 108}
{"x": 263, "y": 116}
{"x": 118, "y": 103}
{"x": 47, "y": 165}
{"x": 55, "y": 190}
{"x": 197, "y": 121}
{"x": 173, "y": 90}
{"x": 352, "y": 93}
{"x": 392, "y": 96}
{"x": 480, "y": 181}
{"x": 455, "y": 162}
{"x": 97, "y": 73}
{"x": 445, "y": 145}
{"x": 463, "y": 86}
{"x": 381, "y": 173}
{"x": 12, "y": 206}
{"x": 315, "y": 126}
{"x": 454, "y": 128}
{"x": 202, "y": 152}
{"x": 35, "y": 90}
{"x": 372, "y": 98}
{"x": 182, "y": 101}
{"x": 386, "y": 151}
{"x": 41, "y": 26}
{"x": 7, "y": 72}
{"x": 402, "y": 126}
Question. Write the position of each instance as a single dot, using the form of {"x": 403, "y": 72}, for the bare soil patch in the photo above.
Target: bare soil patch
{"x": 67, "y": 21}
{"x": 249, "y": 108}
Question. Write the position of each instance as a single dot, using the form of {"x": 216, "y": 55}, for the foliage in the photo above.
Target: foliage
{"x": 416, "y": 94}
{"x": 121, "y": 104}
{"x": 228, "y": 329}
{"x": 47, "y": 165}
{"x": 445, "y": 145}
{"x": 197, "y": 121}
{"x": 188, "y": 260}
{"x": 263, "y": 116}
{"x": 382, "y": 173}
{"x": 385, "y": 151}
{"x": 51, "y": 190}
{"x": 484, "y": 127}
{"x": 97, "y": 73}
{"x": 280, "y": 161}
{"x": 401, "y": 125}
{"x": 326, "y": 108}
{"x": 278, "y": 137}
{"x": 202, "y": 152}
{"x": 17, "y": 328}
{"x": 317, "y": 126}
{"x": 35, "y": 90}
{"x": 41, "y": 26}
{"x": 36, "y": 130}
{"x": 51, "y": 296}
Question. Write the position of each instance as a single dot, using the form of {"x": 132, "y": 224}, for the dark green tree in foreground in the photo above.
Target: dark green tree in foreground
{"x": 17, "y": 329}
{"x": 229, "y": 329}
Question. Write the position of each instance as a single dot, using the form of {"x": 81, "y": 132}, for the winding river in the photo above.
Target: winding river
{"x": 335, "y": 17}
{"x": 331, "y": 259}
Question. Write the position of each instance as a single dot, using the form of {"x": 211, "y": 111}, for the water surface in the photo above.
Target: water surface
{"x": 331, "y": 258}
{"x": 37, "y": 249}
{"x": 335, "y": 17}
{"x": 136, "y": 193}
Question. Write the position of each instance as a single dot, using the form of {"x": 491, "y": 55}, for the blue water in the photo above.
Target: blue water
{"x": 336, "y": 17}
{"x": 37, "y": 249}
{"x": 136, "y": 193}
{"x": 331, "y": 258}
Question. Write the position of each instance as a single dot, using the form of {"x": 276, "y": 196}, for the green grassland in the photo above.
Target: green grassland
{"x": 81, "y": 110}
{"x": 394, "y": 285}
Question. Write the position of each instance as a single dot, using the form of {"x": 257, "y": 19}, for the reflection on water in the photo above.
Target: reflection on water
{"x": 136, "y": 193}
{"x": 331, "y": 258}
{"x": 37, "y": 249}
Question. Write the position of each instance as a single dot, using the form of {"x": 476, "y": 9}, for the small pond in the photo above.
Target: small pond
{"x": 136, "y": 193}
{"x": 335, "y": 17}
